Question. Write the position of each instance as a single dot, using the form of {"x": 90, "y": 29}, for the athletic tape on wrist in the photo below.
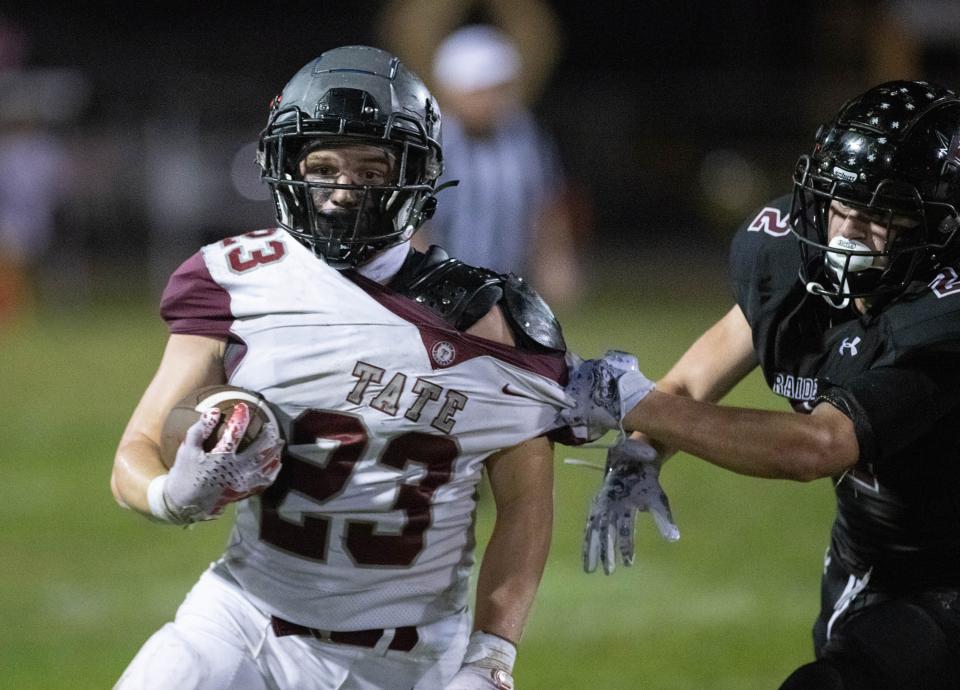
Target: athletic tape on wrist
{"x": 489, "y": 650}
{"x": 158, "y": 506}
{"x": 633, "y": 387}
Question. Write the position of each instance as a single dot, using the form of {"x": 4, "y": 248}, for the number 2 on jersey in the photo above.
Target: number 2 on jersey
{"x": 310, "y": 536}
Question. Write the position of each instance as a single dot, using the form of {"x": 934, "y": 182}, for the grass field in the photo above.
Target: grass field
{"x": 83, "y": 583}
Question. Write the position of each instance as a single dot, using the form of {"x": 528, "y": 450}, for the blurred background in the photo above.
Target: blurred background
{"x": 127, "y": 140}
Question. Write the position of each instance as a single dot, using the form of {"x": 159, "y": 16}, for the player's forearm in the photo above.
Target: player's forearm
{"x": 189, "y": 362}
{"x": 715, "y": 363}
{"x": 758, "y": 443}
{"x": 512, "y": 566}
{"x": 678, "y": 387}
{"x": 136, "y": 463}
{"x": 674, "y": 387}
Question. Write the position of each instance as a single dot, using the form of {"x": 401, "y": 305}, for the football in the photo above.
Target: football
{"x": 188, "y": 411}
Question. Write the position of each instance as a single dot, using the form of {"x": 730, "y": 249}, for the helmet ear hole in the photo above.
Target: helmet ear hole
{"x": 429, "y": 208}
{"x": 948, "y": 225}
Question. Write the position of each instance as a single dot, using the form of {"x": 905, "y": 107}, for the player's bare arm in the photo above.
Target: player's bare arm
{"x": 611, "y": 393}
{"x": 758, "y": 443}
{"x": 521, "y": 480}
{"x": 188, "y": 362}
{"x": 681, "y": 414}
{"x": 493, "y": 326}
{"x": 711, "y": 367}
{"x": 715, "y": 363}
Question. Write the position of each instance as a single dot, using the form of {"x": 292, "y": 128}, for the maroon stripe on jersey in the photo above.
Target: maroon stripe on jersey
{"x": 448, "y": 346}
{"x": 193, "y": 303}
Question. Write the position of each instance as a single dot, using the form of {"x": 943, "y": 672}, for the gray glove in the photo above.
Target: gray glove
{"x": 480, "y": 678}
{"x": 487, "y": 664}
{"x": 201, "y": 484}
{"x": 631, "y": 483}
{"x": 601, "y": 392}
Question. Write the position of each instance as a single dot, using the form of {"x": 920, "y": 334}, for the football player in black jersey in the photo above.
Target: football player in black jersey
{"x": 848, "y": 297}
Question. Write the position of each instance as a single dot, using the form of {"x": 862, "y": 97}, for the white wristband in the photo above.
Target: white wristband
{"x": 158, "y": 505}
{"x": 633, "y": 387}
{"x": 491, "y": 651}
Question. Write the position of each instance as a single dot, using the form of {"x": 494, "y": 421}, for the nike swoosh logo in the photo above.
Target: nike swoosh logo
{"x": 508, "y": 390}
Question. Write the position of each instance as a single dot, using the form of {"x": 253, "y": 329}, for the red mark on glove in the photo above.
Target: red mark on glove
{"x": 234, "y": 429}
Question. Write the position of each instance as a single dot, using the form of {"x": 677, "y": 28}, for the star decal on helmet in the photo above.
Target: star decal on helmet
{"x": 945, "y": 144}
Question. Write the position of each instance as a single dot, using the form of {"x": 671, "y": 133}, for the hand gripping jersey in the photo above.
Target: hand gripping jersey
{"x": 896, "y": 373}
{"x": 388, "y": 413}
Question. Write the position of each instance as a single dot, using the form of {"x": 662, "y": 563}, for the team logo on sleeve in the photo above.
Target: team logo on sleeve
{"x": 771, "y": 221}
{"x": 945, "y": 283}
{"x": 443, "y": 353}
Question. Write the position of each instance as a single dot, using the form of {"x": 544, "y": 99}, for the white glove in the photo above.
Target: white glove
{"x": 601, "y": 392}
{"x": 487, "y": 664}
{"x": 631, "y": 483}
{"x": 200, "y": 484}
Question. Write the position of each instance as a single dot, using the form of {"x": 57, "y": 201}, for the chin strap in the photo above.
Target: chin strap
{"x": 815, "y": 288}
{"x": 424, "y": 209}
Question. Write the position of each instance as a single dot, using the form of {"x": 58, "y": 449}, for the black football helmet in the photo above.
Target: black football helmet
{"x": 892, "y": 155}
{"x": 353, "y": 95}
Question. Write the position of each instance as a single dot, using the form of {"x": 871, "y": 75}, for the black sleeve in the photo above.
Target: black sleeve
{"x": 892, "y": 407}
{"x": 763, "y": 259}
{"x": 743, "y": 250}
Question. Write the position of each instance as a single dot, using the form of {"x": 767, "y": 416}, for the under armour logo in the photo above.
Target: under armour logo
{"x": 850, "y": 345}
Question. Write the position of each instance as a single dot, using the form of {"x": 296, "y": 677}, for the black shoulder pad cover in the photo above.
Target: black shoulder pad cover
{"x": 530, "y": 315}
{"x": 460, "y": 294}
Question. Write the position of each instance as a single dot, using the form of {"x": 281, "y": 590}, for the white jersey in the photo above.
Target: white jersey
{"x": 388, "y": 414}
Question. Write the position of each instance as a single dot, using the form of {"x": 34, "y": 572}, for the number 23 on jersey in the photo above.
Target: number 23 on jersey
{"x": 309, "y": 538}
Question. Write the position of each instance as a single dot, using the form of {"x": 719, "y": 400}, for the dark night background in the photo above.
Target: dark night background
{"x": 674, "y": 119}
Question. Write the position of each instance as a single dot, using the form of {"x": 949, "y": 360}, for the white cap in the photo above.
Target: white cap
{"x": 474, "y": 58}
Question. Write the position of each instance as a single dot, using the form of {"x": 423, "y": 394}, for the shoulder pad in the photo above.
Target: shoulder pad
{"x": 927, "y": 318}
{"x": 530, "y": 315}
{"x": 461, "y": 295}
{"x": 765, "y": 239}
{"x": 458, "y": 293}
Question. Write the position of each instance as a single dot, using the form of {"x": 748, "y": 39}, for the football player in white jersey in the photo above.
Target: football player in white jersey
{"x": 396, "y": 377}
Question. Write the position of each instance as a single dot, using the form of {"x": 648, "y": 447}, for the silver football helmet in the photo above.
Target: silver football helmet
{"x": 353, "y": 95}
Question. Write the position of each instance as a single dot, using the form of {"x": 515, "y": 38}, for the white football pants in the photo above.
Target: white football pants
{"x": 220, "y": 641}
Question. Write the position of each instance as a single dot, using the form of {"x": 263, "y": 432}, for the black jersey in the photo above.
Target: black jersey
{"x": 895, "y": 373}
